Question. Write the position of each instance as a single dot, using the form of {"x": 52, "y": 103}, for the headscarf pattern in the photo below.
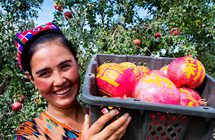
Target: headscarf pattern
{"x": 22, "y": 39}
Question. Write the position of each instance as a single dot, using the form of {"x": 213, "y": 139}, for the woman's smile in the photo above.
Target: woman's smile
{"x": 63, "y": 92}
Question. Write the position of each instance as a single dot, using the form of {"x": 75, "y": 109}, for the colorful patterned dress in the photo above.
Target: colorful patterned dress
{"x": 46, "y": 128}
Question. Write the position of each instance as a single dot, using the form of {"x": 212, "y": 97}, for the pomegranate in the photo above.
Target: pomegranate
{"x": 58, "y": 7}
{"x": 158, "y": 72}
{"x": 164, "y": 70}
{"x": 21, "y": 99}
{"x": 175, "y": 31}
{"x": 16, "y": 106}
{"x": 136, "y": 42}
{"x": 143, "y": 70}
{"x": 157, "y": 35}
{"x": 133, "y": 67}
{"x": 105, "y": 65}
{"x": 116, "y": 81}
{"x": 157, "y": 89}
{"x": 189, "y": 97}
{"x": 186, "y": 72}
{"x": 68, "y": 15}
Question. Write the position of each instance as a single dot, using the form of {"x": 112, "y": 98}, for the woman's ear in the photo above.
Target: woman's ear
{"x": 30, "y": 77}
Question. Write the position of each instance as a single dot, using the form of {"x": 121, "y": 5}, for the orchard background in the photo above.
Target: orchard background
{"x": 170, "y": 29}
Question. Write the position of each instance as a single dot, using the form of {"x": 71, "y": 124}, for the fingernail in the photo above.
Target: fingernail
{"x": 114, "y": 112}
{"x": 85, "y": 116}
{"x": 129, "y": 119}
{"x": 104, "y": 110}
{"x": 126, "y": 115}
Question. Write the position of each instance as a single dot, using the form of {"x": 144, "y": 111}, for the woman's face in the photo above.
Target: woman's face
{"x": 55, "y": 74}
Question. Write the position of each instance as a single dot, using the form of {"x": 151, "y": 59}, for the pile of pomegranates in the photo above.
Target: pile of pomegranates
{"x": 174, "y": 83}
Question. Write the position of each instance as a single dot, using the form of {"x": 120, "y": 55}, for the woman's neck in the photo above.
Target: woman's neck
{"x": 74, "y": 114}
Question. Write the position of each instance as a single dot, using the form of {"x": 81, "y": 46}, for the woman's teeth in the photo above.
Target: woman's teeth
{"x": 62, "y": 92}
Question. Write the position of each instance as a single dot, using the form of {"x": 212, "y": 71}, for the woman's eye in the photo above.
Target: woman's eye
{"x": 65, "y": 66}
{"x": 44, "y": 74}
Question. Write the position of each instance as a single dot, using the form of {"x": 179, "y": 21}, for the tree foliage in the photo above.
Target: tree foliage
{"x": 97, "y": 24}
{"x": 104, "y": 26}
{"x": 15, "y": 16}
{"x": 196, "y": 22}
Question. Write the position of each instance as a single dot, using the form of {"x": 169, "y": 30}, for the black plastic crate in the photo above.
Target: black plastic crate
{"x": 152, "y": 121}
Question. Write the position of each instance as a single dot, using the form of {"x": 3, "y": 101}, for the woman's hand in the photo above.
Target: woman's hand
{"x": 113, "y": 131}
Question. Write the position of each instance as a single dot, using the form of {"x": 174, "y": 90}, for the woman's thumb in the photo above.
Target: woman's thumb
{"x": 86, "y": 126}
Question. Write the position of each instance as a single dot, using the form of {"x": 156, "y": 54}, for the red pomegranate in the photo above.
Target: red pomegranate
{"x": 116, "y": 81}
{"x": 136, "y": 42}
{"x": 175, "y": 31}
{"x": 133, "y": 67}
{"x": 164, "y": 70}
{"x": 186, "y": 72}
{"x": 157, "y": 35}
{"x": 21, "y": 99}
{"x": 58, "y": 7}
{"x": 68, "y": 15}
{"x": 105, "y": 65}
{"x": 158, "y": 72}
{"x": 157, "y": 89}
{"x": 189, "y": 97}
{"x": 16, "y": 106}
{"x": 143, "y": 70}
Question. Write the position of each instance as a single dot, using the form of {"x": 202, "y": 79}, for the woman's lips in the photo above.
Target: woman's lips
{"x": 62, "y": 91}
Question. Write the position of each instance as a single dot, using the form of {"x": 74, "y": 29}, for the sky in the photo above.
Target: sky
{"x": 47, "y": 9}
{"x": 46, "y": 12}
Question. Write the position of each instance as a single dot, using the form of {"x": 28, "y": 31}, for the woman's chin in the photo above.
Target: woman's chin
{"x": 63, "y": 99}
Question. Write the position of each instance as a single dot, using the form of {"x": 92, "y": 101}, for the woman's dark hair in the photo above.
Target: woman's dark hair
{"x": 29, "y": 50}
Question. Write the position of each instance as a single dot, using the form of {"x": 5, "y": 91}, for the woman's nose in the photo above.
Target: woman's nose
{"x": 59, "y": 79}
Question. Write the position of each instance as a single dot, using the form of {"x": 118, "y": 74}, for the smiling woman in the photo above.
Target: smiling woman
{"x": 49, "y": 61}
{"x": 57, "y": 81}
